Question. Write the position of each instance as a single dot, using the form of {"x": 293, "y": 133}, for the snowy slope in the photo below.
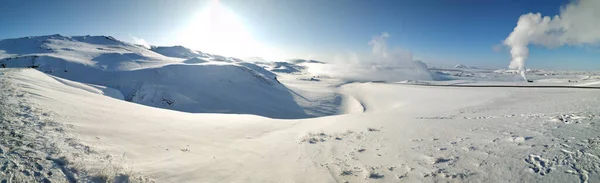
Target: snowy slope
{"x": 301, "y": 61}
{"x": 285, "y": 67}
{"x": 102, "y": 90}
{"x": 405, "y": 133}
{"x": 177, "y": 52}
{"x": 461, "y": 66}
{"x": 101, "y": 52}
{"x": 209, "y": 87}
{"x": 211, "y": 84}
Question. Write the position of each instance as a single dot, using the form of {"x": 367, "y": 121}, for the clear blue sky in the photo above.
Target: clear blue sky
{"x": 436, "y": 31}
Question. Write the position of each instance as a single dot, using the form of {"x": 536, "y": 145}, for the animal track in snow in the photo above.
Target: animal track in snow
{"x": 539, "y": 165}
{"x": 343, "y": 155}
{"x": 441, "y": 172}
{"x": 582, "y": 161}
{"x": 314, "y": 138}
{"x": 437, "y": 117}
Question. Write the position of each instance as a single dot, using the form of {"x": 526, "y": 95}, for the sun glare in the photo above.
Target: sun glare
{"x": 218, "y": 30}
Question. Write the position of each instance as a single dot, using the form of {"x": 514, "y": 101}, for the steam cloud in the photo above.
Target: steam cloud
{"x": 382, "y": 64}
{"x": 577, "y": 24}
{"x": 140, "y": 41}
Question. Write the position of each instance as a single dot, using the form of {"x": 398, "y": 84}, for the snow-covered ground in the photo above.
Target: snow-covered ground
{"x": 284, "y": 123}
{"x": 191, "y": 84}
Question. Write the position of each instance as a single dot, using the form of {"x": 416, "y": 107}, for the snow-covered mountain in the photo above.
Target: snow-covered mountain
{"x": 58, "y": 52}
{"x": 300, "y": 61}
{"x": 177, "y": 52}
{"x": 461, "y": 66}
{"x": 158, "y": 77}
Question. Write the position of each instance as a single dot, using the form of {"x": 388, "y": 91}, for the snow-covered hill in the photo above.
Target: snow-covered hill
{"x": 294, "y": 66}
{"x": 461, "y": 66}
{"x": 59, "y": 52}
{"x": 301, "y": 61}
{"x": 205, "y": 83}
{"x": 177, "y": 52}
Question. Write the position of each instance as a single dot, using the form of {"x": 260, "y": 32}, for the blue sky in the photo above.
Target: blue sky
{"x": 435, "y": 31}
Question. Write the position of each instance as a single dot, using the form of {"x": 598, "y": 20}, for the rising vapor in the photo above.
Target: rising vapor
{"x": 140, "y": 41}
{"x": 382, "y": 64}
{"x": 577, "y": 24}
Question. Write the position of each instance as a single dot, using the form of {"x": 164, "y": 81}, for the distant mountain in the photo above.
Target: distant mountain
{"x": 461, "y": 66}
{"x": 177, "y": 51}
{"x": 300, "y": 61}
{"x": 285, "y": 67}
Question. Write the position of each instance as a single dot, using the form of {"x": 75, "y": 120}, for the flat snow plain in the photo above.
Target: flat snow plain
{"x": 386, "y": 132}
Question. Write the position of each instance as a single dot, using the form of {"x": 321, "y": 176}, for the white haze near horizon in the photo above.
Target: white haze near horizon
{"x": 382, "y": 64}
{"x": 578, "y": 24}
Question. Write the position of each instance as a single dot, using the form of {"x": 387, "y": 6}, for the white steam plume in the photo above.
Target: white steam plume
{"x": 577, "y": 24}
{"x": 382, "y": 64}
{"x": 140, "y": 41}
{"x": 379, "y": 45}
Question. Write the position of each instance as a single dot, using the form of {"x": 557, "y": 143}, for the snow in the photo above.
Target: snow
{"x": 461, "y": 66}
{"x": 97, "y": 89}
{"x": 594, "y": 83}
{"x": 102, "y": 52}
{"x": 195, "y": 60}
{"x": 300, "y": 61}
{"x": 145, "y": 77}
{"x": 177, "y": 51}
{"x": 218, "y": 119}
{"x": 405, "y": 133}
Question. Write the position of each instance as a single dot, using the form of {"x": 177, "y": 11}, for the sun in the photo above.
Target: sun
{"x": 218, "y": 30}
